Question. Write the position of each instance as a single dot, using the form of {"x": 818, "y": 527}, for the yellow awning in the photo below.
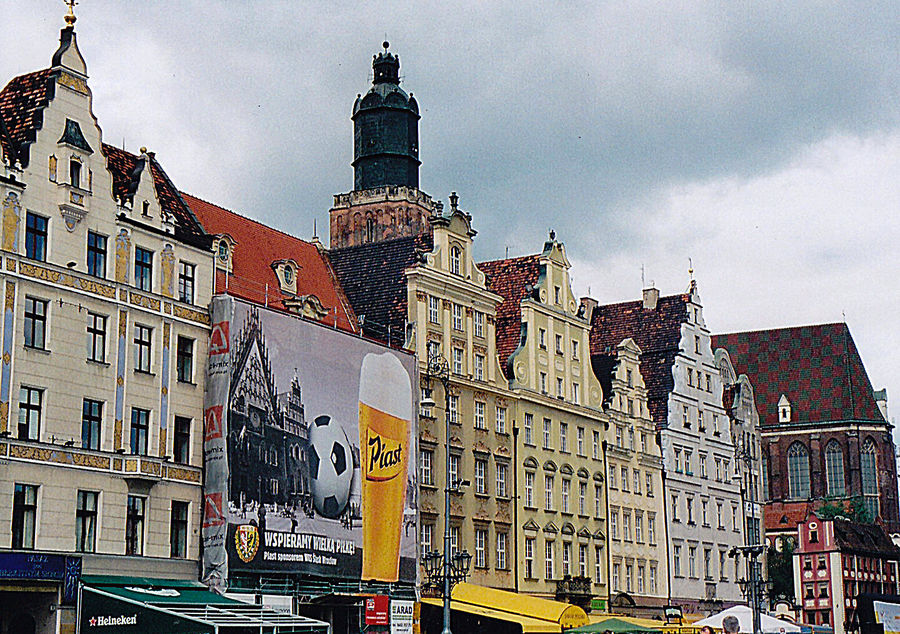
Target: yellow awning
{"x": 564, "y": 615}
{"x": 529, "y": 625}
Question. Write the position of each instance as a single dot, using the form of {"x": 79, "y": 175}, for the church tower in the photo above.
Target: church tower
{"x": 385, "y": 202}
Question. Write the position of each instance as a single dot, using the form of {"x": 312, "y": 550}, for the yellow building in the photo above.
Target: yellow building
{"x": 543, "y": 346}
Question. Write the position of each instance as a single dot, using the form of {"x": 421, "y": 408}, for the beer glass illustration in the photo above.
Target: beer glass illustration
{"x": 385, "y": 413}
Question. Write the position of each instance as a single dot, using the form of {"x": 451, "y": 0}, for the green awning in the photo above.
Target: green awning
{"x": 137, "y": 604}
{"x": 620, "y": 626}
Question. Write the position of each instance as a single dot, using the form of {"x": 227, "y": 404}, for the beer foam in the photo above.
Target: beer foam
{"x": 384, "y": 385}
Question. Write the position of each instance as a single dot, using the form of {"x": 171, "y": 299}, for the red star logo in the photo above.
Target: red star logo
{"x": 93, "y": 621}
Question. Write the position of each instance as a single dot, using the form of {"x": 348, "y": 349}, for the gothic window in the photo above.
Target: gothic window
{"x": 798, "y": 470}
{"x": 370, "y": 230}
{"x": 868, "y": 464}
{"x": 834, "y": 469}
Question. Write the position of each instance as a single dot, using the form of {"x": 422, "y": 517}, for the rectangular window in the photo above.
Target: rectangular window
{"x": 24, "y": 516}
{"x": 576, "y": 394}
{"x": 598, "y": 497}
{"x": 454, "y": 470}
{"x": 185, "y": 359}
{"x": 542, "y": 338}
{"x": 567, "y": 559}
{"x": 96, "y": 337}
{"x": 502, "y": 545}
{"x": 643, "y": 442}
{"x": 559, "y": 344}
{"x": 529, "y": 429}
{"x": 86, "y": 521}
{"x": 639, "y": 527}
{"x": 595, "y": 445}
{"x": 675, "y": 508}
{"x": 692, "y": 561}
{"x": 547, "y": 434}
{"x": 636, "y": 478}
{"x": 142, "y": 347}
{"x": 96, "y": 255}
{"x": 30, "y": 405}
{"x": 140, "y": 428}
{"x": 629, "y": 577}
{"x": 91, "y": 419}
{"x": 181, "y": 445}
{"x": 560, "y": 387}
{"x": 529, "y": 489}
{"x": 501, "y": 420}
{"x": 704, "y": 512}
{"x": 686, "y": 417}
{"x": 579, "y": 441}
{"x": 35, "y": 237}
{"x": 612, "y": 477}
{"x": 564, "y": 437}
{"x": 626, "y": 525}
{"x": 652, "y": 579}
{"x": 651, "y": 528}
{"x": 454, "y": 540}
{"x": 433, "y": 348}
{"x": 479, "y": 415}
{"x": 582, "y": 496}
{"x": 529, "y": 557}
{"x": 640, "y": 578}
{"x": 479, "y": 324}
{"x": 143, "y": 269}
{"x": 479, "y": 367}
{"x": 457, "y": 317}
{"x": 625, "y": 486}
{"x": 434, "y": 310}
{"x": 620, "y": 435}
{"x": 480, "y": 476}
{"x": 35, "y": 323}
{"x": 582, "y": 559}
{"x": 548, "y": 492}
{"x": 707, "y": 564}
{"x": 75, "y": 173}
{"x": 426, "y": 467}
{"x": 457, "y": 361}
{"x": 454, "y": 409}
{"x": 427, "y": 542}
{"x": 614, "y": 523}
{"x": 574, "y": 349}
{"x": 186, "y": 273}
{"x": 616, "y": 576}
{"x": 676, "y": 560}
{"x": 548, "y": 559}
{"x": 649, "y": 484}
{"x": 134, "y": 525}
{"x": 501, "y": 479}
{"x": 178, "y": 530}
{"x": 598, "y": 564}
{"x": 480, "y": 546}
{"x": 566, "y": 485}
{"x": 543, "y": 382}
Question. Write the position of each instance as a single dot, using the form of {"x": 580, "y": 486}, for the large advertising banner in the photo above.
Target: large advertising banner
{"x": 320, "y": 451}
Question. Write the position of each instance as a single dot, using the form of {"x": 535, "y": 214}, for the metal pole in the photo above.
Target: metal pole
{"x": 446, "y": 629}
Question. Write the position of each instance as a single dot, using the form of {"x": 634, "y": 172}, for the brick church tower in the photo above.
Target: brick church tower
{"x": 386, "y": 201}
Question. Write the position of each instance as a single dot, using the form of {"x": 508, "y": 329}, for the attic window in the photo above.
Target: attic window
{"x": 557, "y": 294}
{"x": 784, "y": 410}
{"x": 145, "y": 208}
{"x": 454, "y": 260}
{"x": 288, "y": 275}
{"x": 223, "y": 250}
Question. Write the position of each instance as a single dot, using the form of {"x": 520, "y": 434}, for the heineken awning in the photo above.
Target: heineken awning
{"x": 133, "y": 605}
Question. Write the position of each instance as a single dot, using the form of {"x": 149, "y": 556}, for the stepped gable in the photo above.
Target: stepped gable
{"x": 125, "y": 168}
{"x": 657, "y": 331}
{"x": 22, "y": 103}
{"x": 372, "y": 276}
{"x": 258, "y": 246}
{"x": 510, "y": 278}
{"x": 817, "y": 367}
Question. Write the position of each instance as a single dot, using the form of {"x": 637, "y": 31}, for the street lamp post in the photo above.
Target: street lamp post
{"x": 752, "y": 588}
{"x": 452, "y": 567}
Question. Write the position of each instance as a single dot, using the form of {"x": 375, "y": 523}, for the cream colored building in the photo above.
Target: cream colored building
{"x": 106, "y": 277}
{"x": 637, "y": 532}
{"x": 453, "y": 314}
{"x": 545, "y": 354}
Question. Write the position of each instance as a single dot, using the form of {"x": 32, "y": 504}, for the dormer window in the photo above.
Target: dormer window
{"x": 75, "y": 172}
{"x": 145, "y": 208}
{"x": 454, "y": 260}
{"x": 223, "y": 251}
{"x": 784, "y": 410}
{"x": 286, "y": 272}
{"x": 288, "y": 275}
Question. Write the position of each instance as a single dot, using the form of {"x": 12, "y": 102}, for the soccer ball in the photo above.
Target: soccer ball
{"x": 330, "y": 467}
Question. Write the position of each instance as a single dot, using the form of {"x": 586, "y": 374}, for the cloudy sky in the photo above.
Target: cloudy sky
{"x": 759, "y": 139}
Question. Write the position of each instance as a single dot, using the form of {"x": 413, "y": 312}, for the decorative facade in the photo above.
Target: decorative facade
{"x": 106, "y": 276}
{"x": 542, "y": 341}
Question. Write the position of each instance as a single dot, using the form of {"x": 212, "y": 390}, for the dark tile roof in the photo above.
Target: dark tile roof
{"x": 372, "y": 276}
{"x": 604, "y": 366}
{"x": 22, "y": 103}
{"x": 865, "y": 538}
{"x": 657, "y": 332}
{"x": 124, "y": 166}
{"x": 510, "y": 278}
{"x": 817, "y": 367}
{"x": 258, "y": 247}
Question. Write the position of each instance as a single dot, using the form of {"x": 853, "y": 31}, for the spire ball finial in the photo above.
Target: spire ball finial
{"x": 70, "y": 16}
{"x": 386, "y": 45}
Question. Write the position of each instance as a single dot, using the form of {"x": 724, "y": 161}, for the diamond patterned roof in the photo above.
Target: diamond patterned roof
{"x": 817, "y": 367}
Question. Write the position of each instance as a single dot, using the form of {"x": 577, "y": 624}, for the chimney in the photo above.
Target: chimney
{"x": 881, "y": 399}
{"x": 651, "y": 296}
{"x": 588, "y": 304}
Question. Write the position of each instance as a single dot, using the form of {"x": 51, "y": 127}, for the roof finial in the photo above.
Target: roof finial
{"x": 691, "y": 268}
{"x": 70, "y": 16}
{"x": 386, "y": 46}
{"x": 552, "y": 235}
{"x": 454, "y": 201}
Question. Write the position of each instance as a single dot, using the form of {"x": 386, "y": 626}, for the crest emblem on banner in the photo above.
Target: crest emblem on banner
{"x": 246, "y": 542}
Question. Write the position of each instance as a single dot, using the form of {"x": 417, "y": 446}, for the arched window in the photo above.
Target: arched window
{"x": 454, "y": 260}
{"x": 370, "y": 230}
{"x": 798, "y": 470}
{"x": 869, "y": 467}
{"x": 834, "y": 469}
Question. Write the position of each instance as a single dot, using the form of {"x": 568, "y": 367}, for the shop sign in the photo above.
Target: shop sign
{"x": 377, "y": 610}
{"x": 402, "y": 617}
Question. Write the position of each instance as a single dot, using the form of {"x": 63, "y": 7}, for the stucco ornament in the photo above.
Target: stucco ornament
{"x": 11, "y": 214}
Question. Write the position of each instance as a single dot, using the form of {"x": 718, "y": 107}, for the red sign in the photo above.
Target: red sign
{"x": 378, "y": 610}
{"x": 213, "y": 427}
{"x": 218, "y": 339}
{"x": 212, "y": 510}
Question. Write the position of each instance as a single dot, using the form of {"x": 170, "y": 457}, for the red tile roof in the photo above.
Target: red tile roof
{"x": 817, "y": 367}
{"x": 22, "y": 103}
{"x": 784, "y": 517}
{"x": 510, "y": 278}
{"x": 657, "y": 332}
{"x": 372, "y": 276}
{"x": 257, "y": 247}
